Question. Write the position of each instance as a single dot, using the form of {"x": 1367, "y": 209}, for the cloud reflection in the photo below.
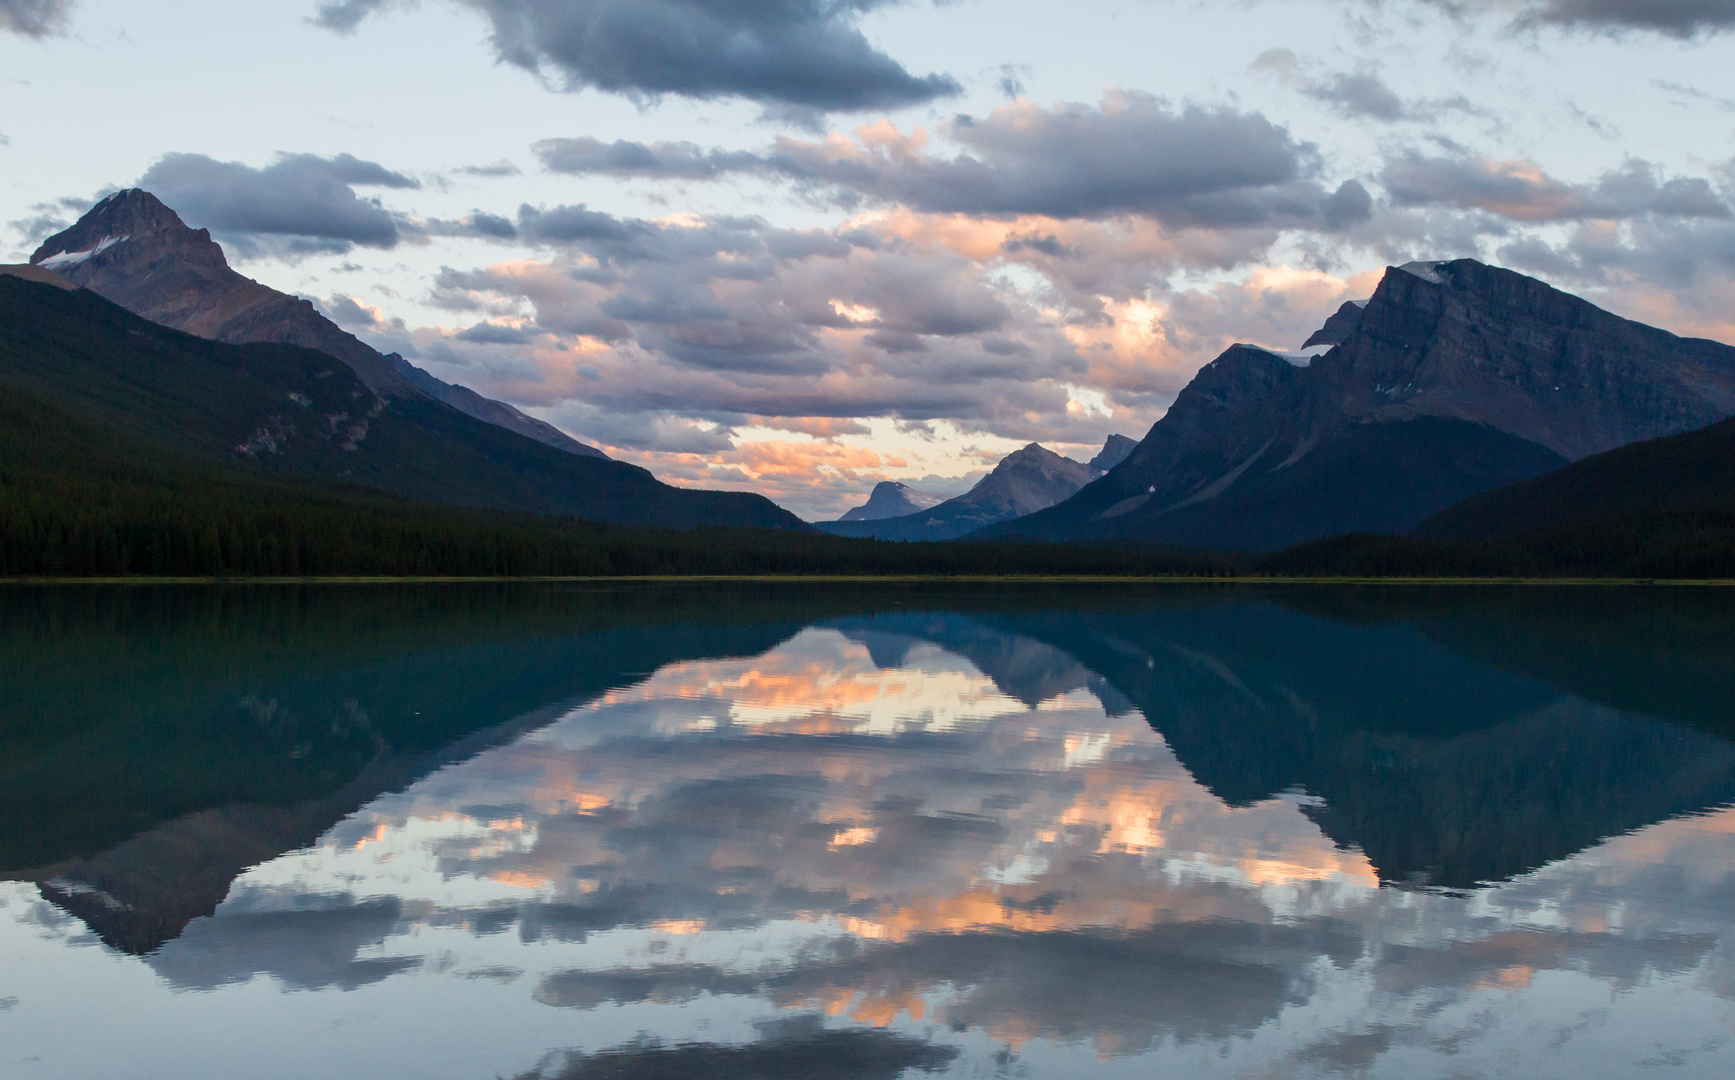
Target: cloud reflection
{"x": 917, "y": 843}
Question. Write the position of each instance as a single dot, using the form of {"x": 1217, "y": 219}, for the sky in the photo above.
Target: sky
{"x": 802, "y": 246}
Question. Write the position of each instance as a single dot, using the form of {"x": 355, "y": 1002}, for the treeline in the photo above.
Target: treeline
{"x": 214, "y": 526}
{"x": 1689, "y": 544}
{"x": 82, "y": 498}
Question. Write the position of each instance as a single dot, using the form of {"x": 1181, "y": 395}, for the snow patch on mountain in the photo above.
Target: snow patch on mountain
{"x": 1427, "y": 271}
{"x": 73, "y": 258}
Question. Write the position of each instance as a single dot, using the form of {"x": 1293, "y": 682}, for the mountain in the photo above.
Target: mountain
{"x": 1455, "y": 378}
{"x": 892, "y": 499}
{"x": 135, "y": 251}
{"x": 206, "y": 411}
{"x": 1663, "y": 508}
{"x": 1113, "y": 452}
{"x": 1339, "y": 327}
{"x": 1680, "y": 472}
{"x": 1023, "y": 482}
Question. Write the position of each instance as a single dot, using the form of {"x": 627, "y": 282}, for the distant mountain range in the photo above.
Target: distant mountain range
{"x": 135, "y": 251}
{"x": 1022, "y": 483}
{"x": 1455, "y": 378}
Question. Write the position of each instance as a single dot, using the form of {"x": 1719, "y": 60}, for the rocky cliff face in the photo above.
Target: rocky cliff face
{"x": 1454, "y": 378}
{"x": 1023, "y": 482}
{"x": 136, "y": 252}
{"x": 892, "y": 499}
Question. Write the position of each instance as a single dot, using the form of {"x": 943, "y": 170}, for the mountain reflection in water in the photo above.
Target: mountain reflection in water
{"x": 728, "y": 832}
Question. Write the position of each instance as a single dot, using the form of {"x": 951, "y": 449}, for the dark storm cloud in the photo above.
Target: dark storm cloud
{"x": 803, "y": 55}
{"x": 1521, "y": 191}
{"x": 301, "y": 197}
{"x": 34, "y": 18}
{"x": 1133, "y": 154}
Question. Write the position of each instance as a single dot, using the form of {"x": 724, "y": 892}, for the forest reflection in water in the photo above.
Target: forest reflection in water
{"x": 729, "y": 832}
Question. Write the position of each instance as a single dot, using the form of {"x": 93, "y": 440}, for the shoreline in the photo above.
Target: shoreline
{"x": 931, "y": 579}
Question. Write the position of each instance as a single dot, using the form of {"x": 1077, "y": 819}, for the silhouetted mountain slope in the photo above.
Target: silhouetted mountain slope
{"x": 1398, "y": 481}
{"x": 293, "y": 411}
{"x": 135, "y": 251}
{"x": 1663, "y": 508}
{"x": 1339, "y": 327}
{"x": 1679, "y": 472}
{"x": 1024, "y": 481}
{"x": 1526, "y": 376}
{"x": 1113, "y": 452}
{"x": 892, "y": 499}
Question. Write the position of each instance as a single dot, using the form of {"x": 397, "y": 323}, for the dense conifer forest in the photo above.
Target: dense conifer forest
{"x": 80, "y": 501}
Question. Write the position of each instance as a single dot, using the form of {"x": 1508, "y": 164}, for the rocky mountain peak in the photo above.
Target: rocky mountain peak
{"x": 891, "y": 499}
{"x": 1454, "y": 377}
{"x": 1339, "y": 327}
{"x": 1033, "y": 477}
{"x": 135, "y": 251}
{"x": 127, "y": 225}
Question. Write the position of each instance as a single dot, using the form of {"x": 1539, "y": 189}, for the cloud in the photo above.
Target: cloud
{"x": 313, "y": 948}
{"x": 1521, "y": 191}
{"x": 306, "y": 202}
{"x": 725, "y": 350}
{"x": 35, "y": 18}
{"x": 498, "y": 169}
{"x": 1673, "y": 272}
{"x": 1675, "y": 18}
{"x": 488, "y": 333}
{"x": 1355, "y": 95}
{"x": 798, "y": 1048}
{"x": 656, "y": 161}
{"x": 47, "y": 218}
{"x": 1132, "y": 154}
{"x": 806, "y": 56}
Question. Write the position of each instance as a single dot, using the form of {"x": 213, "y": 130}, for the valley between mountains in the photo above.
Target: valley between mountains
{"x": 1462, "y": 419}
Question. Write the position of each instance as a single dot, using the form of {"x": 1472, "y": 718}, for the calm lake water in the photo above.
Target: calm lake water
{"x": 865, "y": 832}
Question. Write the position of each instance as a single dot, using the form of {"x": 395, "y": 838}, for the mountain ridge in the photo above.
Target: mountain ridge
{"x": 301, "y": 413}
{"x": 1498, "y": 376}
{"x": 137, "y": 252}
{"x": 1023, "y": 481}
{"x": 890, "y": 499}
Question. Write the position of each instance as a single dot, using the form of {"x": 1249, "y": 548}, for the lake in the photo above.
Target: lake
{"x": 866, "y": 831}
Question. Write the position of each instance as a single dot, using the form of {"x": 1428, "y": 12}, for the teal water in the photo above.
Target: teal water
{"x": 866, "y": 831}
